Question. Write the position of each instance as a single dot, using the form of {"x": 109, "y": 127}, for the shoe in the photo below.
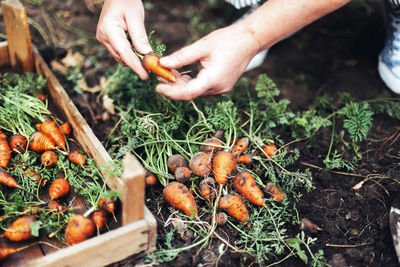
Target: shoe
{"x": 389, "y": 58}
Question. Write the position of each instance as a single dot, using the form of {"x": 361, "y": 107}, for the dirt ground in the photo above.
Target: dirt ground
{"x": 335, "y": 54}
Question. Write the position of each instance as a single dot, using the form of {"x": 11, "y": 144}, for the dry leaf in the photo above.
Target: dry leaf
{"x": 108, "y": 104}
{"x": 57, "y": 66}
{"x": 72, "y": 59}
{"x": 359, "y": 185}
{"x": 84, "y": 87}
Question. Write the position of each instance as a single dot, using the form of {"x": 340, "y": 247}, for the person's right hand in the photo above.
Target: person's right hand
{"x": 118, "y": 17}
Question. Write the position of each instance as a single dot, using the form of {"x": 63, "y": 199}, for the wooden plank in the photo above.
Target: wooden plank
{"x": 133, "y": 190}
{"x": 82, "y": 131}
{"x": 4, "y": 57}
{"x": 18, "y": 35}
{"x": 104, "y": 249}
{"x": 22, "y": 257}
{"x": 152, "y": 225}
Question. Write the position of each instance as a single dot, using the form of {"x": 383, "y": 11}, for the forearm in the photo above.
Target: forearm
{"x": 276, "y": 19}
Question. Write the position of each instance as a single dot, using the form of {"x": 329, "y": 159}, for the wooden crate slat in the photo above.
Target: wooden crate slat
{"x": 4, "y": 57}
{"x": 22, "y": 257}
{"x": 101, "y": 250}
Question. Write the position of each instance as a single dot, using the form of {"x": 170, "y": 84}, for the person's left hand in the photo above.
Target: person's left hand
{"x": 223, "y": 54}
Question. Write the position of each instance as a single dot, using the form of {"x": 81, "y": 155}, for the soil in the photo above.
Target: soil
{"x": 338, "y": 53}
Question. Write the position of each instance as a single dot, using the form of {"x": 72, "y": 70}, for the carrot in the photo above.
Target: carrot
{"x": 107, "y": 204}
{"x": 245, "y": 159}
{"x": 77, "y": 157}
{"x": 221, "y": 218}
{"x": 3, "y": 135}
{"x": 31, "y": 174}
{"x": 306, "y": 224}
{"x": 5, "y": 153}
{"x": 275, "y": 192}
{"x": 32, "y": 210}
{"x": 40, "y": 142}
{"x": 58, "y": 188}
{"x": 183, "y": 174}
{"x": 224, "y": 164}
{"x": 17, "y": 142}
{"x": 49, "y": 158}
{"x": 37, "y": 126}
{"x": 246, "y": 185}
{"x": 239, "y": 146}
{"x": 79, "y": 228}
{"x": 270, "y": 150}
{"x": 151, "y": 62}
{"x": 50, "y": 128}
{"x": 20, "y": 229}
{"x": 65, "y": 128}
{"x": 220, "y": 134}
{"x": 200, "y": 164}
{"x": 151, "y": 178}
{"x": 207, "y": 188}
{"x": 235, "y": 207}
{"x": 211, "y": 145}
{"x": 5, "y": 252}
{"x": 99, "y": 218}
{"x": 8, "y": 180}
{"x": 178, "y": 196}
{"x": 56, "y": 207}
{"x": 176, "y": 161}
{"x": 41, "y": 97}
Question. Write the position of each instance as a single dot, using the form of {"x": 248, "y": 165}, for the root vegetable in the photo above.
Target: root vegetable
{"x": 151, "y": 62}
{"x": 221, "y": 218}
{"x": 41, "y": 97}
{"x": 58, "y": 188}
{"x": 151, "y": 178}
{"x": 99, "y": 218}
{"x": 20, "y": 229}
{"x": 107, "y": 204}
{"x": 200, "y": 164}
{"x": 31, "y": 174}
{"x": 7, "y": 179}
{"x": 178, "y": 196}
{"x": 275, "y": 192}
{"x": 245, "y": 158}
{"x": 5, "y": 252}
{"x": 183, "y": 174}
{"x": 307, "y": 225}
{"x": 176, "y": 161}
{"x": 49, "y": 158}
{"x": 207, "y": 188}
{"x": 65, "y": 128}
{"x": 270, "y": 150}
{"x": 235, "y": 207}
{"x": 50, "y": 128}
{"x": 3, "y": 135}
{"x": 5, "y": 153}
{"x": 17, "y": 142}
{"x": 224, "y": 165}
{"x": 77, "y": 157}
{"x": 246, "y": 185}
{"x": 240, "y": 146}
{"x": 220, "y": 134}
{"x": 56, "y": 207}
{"x": 211, "y": 145}
{"x": 40, "y": 142}
{"x": 79, "y": 228}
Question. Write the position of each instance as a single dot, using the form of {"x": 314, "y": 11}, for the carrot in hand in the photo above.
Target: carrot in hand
{"x": 179, "y": 197}
{"x": 200, "y": 164}
{"x": 7, "y": 179}
{"x": 245, "y": 158}
{"x": 270, "y": 150}
{"x": 246, "y": 185}
{"x": 65, "y": 128}
{"x": 5, "y": 153}
{"x": 275, "y": 192}
{"x": 77, "y": 157}
{"x": 151, "y": 62}
{"x": 20, "y": 229}
{"x": 224, "y": 164}
{"x": 40, "y": 142}
{"x": 79, "y": 228}
{"x": 50, "y": 128}
{"x": 58, "y": 188}
{"x": 49, "y": 158}
{"x": 240, "y": 145}
{"x": 211, "y": 145}
{"x": 235, "y": 207}
{"x": 176, "y": 161}
{"x": 17, "y": 142}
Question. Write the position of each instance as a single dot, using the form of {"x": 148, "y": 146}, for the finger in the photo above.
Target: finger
{"x": 137, "y": 32}
{"x": 185, "y": 56}
{"x": 113, "y": 53}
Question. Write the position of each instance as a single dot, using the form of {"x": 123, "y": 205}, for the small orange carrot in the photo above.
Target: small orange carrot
{"x": 307, "y": 225}
{"x": 176, "y": 161}
{"x": 3, "y": 135}
{"x": 99, "y": 218}
{"x": 183, "y": 174}
{"x": 5, "y": 252}
{"x": 50, "y": 128}
{"x": 7, "y": 179}
{"x": 240, "y": 146}
{"x": 235, "y": 207}
{"x": 17, "y": 142}
{"x": 211, "y": 145}
{"x": 56, "y": 207}
{"x": 77, "y": 157}
{"x": 32, "y": 210}
{"x": 40, "y": 142}
{"x": 79, "y": 228}
{"x": 151, "y": 62}
{"x": 178, "y": 196}
{"x": 207, "y": 188}
{"x": 246, "y": 185}
{"x": 224, "y": 164}
{"x": 270, "y": 150}
{"x": 245, "y": 158}
{"x": 37, "y": 126}
{"x": 41, "y": 97}
{"x": 49, "y": 158}
{"x": 221, "y": 218}
{"x": 151, "y": 178}
{"x": 200, "y": 164}
{"x": 107, "y": 204}
{"x": 5, "y": 153}
{"x": 20, "y": 229}
{"x": 58, "y": 188}
{"x": 31, "y": 174}
{"x": 275, "y": 192}
{"x": 65, "y": 128}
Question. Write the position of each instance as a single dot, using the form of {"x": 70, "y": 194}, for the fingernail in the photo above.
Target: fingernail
{"x": 147, "y": 49}
{"x": 165, "y": 61}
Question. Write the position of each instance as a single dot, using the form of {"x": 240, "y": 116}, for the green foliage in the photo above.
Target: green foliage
{"x": 391, "y": 108}
{"x": 358, "y": 120}
{"x": 306, "y": 123}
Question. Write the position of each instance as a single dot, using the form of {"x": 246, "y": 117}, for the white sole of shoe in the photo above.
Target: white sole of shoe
{"x": 391, "y": 80}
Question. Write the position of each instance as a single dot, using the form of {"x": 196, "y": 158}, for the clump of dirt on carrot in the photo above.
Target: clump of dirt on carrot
{"x": 200, "y": 164}
{"x": 175, "y": 161}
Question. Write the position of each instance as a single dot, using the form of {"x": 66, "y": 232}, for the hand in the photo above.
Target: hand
{"x": 118, "y": 17}
{"x": 223, "y": 54}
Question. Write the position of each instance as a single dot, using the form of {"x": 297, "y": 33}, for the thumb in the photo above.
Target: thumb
{"x": 185, "y": 56}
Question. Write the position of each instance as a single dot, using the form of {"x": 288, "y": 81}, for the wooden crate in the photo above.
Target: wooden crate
{"x": 138, "y": 231}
